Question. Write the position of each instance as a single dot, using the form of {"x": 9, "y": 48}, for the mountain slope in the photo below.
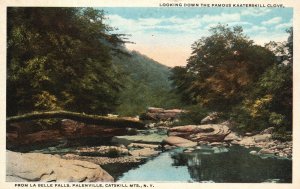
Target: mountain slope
{"x": 147, "y": 84}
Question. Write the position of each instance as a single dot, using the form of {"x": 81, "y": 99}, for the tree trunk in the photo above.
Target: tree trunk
{"x": 89, "y": 119}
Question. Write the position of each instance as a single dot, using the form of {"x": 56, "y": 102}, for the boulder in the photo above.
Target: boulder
{"x": 268, "y": 130}
{"x": 141, "y": 145}
{"x": 160, "y": 114}
{"x": 149, "y": 139}
{"x": 216, "y": 144}
{"x": 196, "y": 133}
{"x": 144, "y": 152}
{"x": 66, "y": 130}
{"x": 249, "y": 134}
{"x": 231, "y": 137}
{"x": 178, "y": 141}
{"x": 46, "y": 168}
{"x": 265, "y": 151}
{"x": 262, "y": 137}
{"x": 211, "y": 118}
{"x": 247, "y": 141}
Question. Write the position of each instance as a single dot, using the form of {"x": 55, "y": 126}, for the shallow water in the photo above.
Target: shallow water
{"x": 221, "y": 165}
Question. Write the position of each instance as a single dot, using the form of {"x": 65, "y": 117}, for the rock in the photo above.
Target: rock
{"x": 228, "y": 123}
{"x": 46, "y": 168}
{"x": 41, "y": 137}
{"x": 203, "y": 143}
{"x": 280, "y": 146}
{"x": 249, "y": 134}
{"x": 145, "y": 152}
{"x": 189, "y": 150}
{"x": 70, "y": 156}
{"x": 151, "y": 125}
{"x": 169, "y": 147}
{"x": 231, "y": 137}
{"x": 262, "y": 137}
{"x": 268, "y": 130}
{"x": 155, "y": 110}
{"x": 235, "y": 142}
{"x": 67, "y": 130}
{"x": 112, "y": 115}
{"x": 104, "y": 160}
{"x": 211, "y": 118}
{"x": 287, "y": 150}
{"x": 210, "y": 132}
{"x": 178, "y": 141}
{"x": 247, "y": 141}
{"x": 149, "y": 138}
{"x": 225, "y": 144}
{"x": 253, "y": 152}
{"x": 216, "y": 144}
{"x": 265, "y": 151}
{"x": 141, "y": 145}
{"x": 160, "y": 114}
{"x": 103, "y": 150}
{"x": 71, "y": 128}
{"x": 218, "y": 150}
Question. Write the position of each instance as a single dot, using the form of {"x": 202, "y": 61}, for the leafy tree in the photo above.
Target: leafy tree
{"x": 222, "y": 68}
{"x": 251, "y": 84}
{"x": 60, "y": 58}
{"x": 277, "y": 82}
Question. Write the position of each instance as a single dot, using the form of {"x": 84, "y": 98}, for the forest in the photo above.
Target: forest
{"x": 67, "y": 59}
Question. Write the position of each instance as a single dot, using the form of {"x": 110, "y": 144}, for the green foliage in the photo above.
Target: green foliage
{"x": 147, "y": 85}
{"x": 282, "y": 134}
{"x": 60, "y": 58}
{"x": 244, "y": 122}
{"x": 221, "y": 68}
{"x": 113, "y": 153}
{"x": 276, "y": 119}
{"x": 250, "y": 84}
{"x": 193, "y": 116}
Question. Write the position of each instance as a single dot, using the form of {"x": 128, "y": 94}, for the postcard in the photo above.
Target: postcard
{"x": 150, "y": 94}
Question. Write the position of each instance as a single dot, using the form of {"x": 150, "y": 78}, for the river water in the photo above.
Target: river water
{"x": 212, "y": 164}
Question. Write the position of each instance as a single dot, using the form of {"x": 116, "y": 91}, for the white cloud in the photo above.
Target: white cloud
{"x": 262, "y": 39}
{"x": 274, "y": 20}
{"x": 222, "y": 18}
{"x": 255, "y": 11}
{"x": 284, "y": 25}
{"x": 256, "y": 29}
{"x": 176, "y": 24}
{"x": 240, "y": 23}
{"x": 149, "y": 21}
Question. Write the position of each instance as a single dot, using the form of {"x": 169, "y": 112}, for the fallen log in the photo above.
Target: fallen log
{"x": 81, "y": 117}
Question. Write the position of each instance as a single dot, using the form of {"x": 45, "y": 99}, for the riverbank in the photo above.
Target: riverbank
{"x": 185, "y": 145}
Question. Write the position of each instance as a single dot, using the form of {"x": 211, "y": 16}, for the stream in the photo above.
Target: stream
{"x": 204, "y": 164}
{"x": 217, "y": 164}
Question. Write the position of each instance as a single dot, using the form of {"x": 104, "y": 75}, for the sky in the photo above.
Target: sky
{"x": 166, "y": 34}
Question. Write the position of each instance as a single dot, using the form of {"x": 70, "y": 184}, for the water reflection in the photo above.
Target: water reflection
{"x": 233, "y": 165}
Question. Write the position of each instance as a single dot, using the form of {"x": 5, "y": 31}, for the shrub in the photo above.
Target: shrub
{"x": 113, "y": 153}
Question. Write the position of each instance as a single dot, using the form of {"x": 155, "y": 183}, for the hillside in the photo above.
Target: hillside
{"x": 146, "y": 85}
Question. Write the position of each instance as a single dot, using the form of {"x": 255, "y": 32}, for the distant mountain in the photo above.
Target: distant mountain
{"x": 147, "y": 84}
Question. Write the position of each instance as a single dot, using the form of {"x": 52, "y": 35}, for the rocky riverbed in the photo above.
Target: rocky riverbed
{"x": 121, "y": 153}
